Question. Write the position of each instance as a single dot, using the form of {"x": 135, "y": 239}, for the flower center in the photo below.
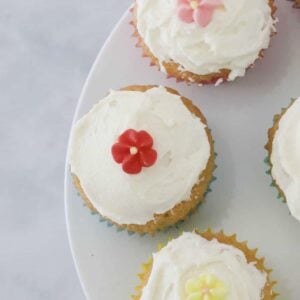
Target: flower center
{"x": 133, "y": 150}
{"x": 206, "y": 291}
{"x": 194, "y": 4}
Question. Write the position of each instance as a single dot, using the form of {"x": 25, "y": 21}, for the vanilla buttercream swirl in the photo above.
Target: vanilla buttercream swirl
{"x": 233, "y": 40}
{"x": 191, "y": 256}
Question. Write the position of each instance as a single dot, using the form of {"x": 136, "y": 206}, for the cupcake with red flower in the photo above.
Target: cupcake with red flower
{"x": 142, "y": 158}
{"x": 204, "y": 41}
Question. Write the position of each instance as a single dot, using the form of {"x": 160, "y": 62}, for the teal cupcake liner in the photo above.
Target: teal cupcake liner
{"x": 267, "y": 159}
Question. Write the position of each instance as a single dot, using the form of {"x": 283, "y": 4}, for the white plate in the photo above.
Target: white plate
{"x": 241, "y": 200}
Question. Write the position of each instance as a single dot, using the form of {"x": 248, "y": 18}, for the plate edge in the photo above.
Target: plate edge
{"x": 66, "y": 169}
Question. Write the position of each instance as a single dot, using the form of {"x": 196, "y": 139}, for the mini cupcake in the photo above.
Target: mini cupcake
{"x": 143, "y": 158}
{"x": 204, "y": 41}
{"x": 205, "y": 266}
{"x": 284, "y": 155}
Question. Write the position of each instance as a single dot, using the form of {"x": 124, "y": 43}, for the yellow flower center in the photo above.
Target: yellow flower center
{"x": 133, "y": 150}
{"x": 206, "y": 287}
{"x": 194, "y": 4}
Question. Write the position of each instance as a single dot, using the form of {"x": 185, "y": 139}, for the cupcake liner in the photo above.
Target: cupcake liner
{"x": 173, "y": 69}
{"x": 273, "y": 184}
{"x": 251, "y": 256}
{"x": 268, "y": 147}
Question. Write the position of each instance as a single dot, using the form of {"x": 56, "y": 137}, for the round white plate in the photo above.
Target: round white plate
{"x": 241, "y": 201}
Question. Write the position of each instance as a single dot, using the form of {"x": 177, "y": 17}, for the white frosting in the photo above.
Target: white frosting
{"x": 179, "y": 138}
{"x": 233, "y": 40}
{"x": 191, "y": 255}
{"x": 285, "y": 157}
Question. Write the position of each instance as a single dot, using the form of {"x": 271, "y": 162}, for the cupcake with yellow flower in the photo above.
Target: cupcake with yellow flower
{"x": 205, "y": 266}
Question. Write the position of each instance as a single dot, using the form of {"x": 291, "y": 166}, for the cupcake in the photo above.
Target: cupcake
{"x": 205, "y": 266}
{"x": 142, "y": 158}
{"x": 284, "y": 155}
{"x": 204, "y": 41}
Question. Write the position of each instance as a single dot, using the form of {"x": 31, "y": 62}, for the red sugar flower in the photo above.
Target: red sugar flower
{"x": 134, "y": 151}
{"x": 199, "y": 11}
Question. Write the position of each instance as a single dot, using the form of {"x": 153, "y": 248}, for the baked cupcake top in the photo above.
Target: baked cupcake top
{"x": 193, "y": 268}
{"x": 285, "y": 157}
{"x": 206, "y": 36}
{"x": 173, "y": 148}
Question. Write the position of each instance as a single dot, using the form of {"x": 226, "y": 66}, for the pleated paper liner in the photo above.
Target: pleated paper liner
{"x": 268, "y": 147}
{"x": 174, "y": 70}
{"x": 251, "y": 256}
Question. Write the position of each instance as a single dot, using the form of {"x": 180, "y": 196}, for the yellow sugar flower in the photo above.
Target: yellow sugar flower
{"x": 206, "y": 287}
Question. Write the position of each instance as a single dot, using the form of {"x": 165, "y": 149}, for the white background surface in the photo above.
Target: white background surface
{"x": 242, "y": 201}
{"x": 47, "y": 48}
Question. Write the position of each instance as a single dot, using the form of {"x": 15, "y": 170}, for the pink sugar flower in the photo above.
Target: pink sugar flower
{"x": 199, "y": 11}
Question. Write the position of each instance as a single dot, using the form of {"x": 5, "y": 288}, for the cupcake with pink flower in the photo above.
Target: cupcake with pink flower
{"x": 204, "y": 41}
{"x": 143, "y": 158}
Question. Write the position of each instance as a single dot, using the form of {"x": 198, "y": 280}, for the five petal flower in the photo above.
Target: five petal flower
{"x": 134, "y": 151}
{"x": 199, "y": 11}
{"x": 206, "y": 287}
